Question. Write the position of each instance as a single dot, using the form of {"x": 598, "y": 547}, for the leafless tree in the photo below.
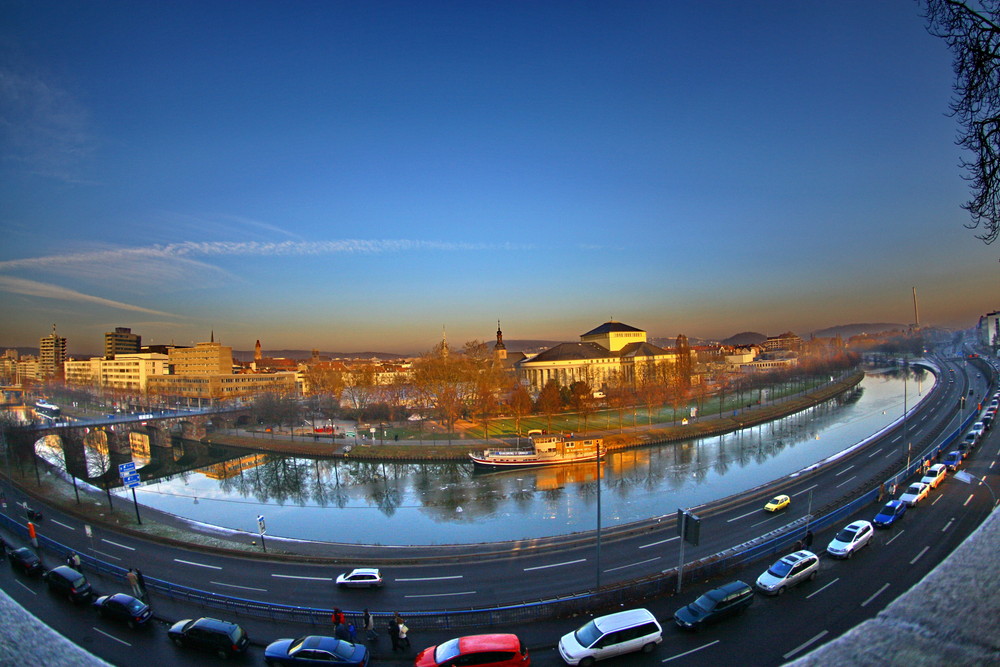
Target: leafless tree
{"x": 973, "y": 35}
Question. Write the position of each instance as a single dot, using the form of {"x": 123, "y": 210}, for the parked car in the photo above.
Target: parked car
{"x": 778, "y": 503}
{"x": 362, "y": 577}
{"x": 789, "y": 571}
{"x": 915, "y": 493}
{"x": 715, "y": 605}
{"x": 64, "y": 580}
{"x": 852, "y": 538}
{"x": 210, "y": 634}
{"x": 892, "y": 512}
{"x": 25, "y": 560}
{"x": 952, "y": 460}
{"x": 612, "y": 635}
{"x": 316, "y": 650}
{"x": 934, "y": 475}
{"x": 124, "y": 608}
{"x": 493, "y": 650}
{"x": 978, "y": 428}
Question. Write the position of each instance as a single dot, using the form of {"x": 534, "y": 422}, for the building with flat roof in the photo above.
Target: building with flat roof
{"x": 121, "y": 341}
{"x": 51, "y": 355}
{"x": 203, "y": 359}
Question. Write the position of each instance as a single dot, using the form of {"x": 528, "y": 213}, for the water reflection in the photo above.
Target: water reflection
{"x": 344, "y": 500}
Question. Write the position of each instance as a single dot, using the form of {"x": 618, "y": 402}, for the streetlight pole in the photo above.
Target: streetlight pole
{"x": 598, "y": 516}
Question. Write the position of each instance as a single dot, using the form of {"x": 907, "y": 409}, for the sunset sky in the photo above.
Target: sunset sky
{"x": 362, "y": 175}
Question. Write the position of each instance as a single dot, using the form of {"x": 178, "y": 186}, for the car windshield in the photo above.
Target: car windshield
{"x": 587, "y": 635}
{"x": 705, "y": 603}
{"x": 888, "y": 509}
{"x": 446, "y": 651}
{"x": 846, "y": 535}
{"x": 775, "y": 501}
{"x": 780, "y": 569}
{"x": 914, "y": 490}
{"x": 135, "y": 606}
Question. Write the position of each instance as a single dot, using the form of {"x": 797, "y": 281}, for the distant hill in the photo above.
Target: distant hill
{"x": 845, "y": 331}
{"x": 745, "y": 338}
{"x": 247, "y": 355}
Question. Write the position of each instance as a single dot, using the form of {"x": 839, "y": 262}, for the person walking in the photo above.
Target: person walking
{"x": 142, "y": 583}
{"x": 133, "y": 581}
{"x": 394, "y": 634}
{"x": 369, "y": 625}
{"x": 404, "y": 640}
{"x": 338, "y": 617}
{"x": 809, "y": 539}
{"x": 73, "y": 560}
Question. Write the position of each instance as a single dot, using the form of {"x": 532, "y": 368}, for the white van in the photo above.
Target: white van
{"x": 608, "y": 636}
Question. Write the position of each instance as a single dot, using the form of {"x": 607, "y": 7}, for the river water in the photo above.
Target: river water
{"x": 449, "y": 503}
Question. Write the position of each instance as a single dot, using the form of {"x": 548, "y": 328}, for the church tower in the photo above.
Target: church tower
{"x": 258, "y": 354}
{"x": 499, "y": 350}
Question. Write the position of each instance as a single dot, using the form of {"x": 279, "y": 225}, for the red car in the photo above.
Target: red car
{"x": 498, "y": 650}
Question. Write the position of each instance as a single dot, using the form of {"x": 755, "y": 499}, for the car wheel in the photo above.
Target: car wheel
{"x": 178, "y": 642}
{"x": 222, "y": 653}
{"x": 648, "y": 648}
{"x": 586, "y": 662}
{"x": 813, "y": 575}
{"x": 131, "y": 625}
{"x": 850, "y": 554}
{"x": 781, "y": 590}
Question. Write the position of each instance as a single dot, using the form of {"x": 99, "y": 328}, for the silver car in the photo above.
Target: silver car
{"x": 791, "y": 570}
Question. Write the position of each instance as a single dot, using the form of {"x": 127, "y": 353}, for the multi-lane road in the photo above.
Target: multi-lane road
{"x": 778, "y": 629}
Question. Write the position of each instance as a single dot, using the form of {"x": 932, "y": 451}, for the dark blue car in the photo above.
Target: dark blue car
{"x": 315, "y": 650}
{"x": 890, "y": 514}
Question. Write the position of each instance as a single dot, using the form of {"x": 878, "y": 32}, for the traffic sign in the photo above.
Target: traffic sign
{"x": 124, "y": 468}
{"x": 132, "y": 479}
{"x": 260, "y": 524}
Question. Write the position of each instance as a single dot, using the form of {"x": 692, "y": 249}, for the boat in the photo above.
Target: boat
{"x": 47, "y": 410}
{"x": 545, "y": 450}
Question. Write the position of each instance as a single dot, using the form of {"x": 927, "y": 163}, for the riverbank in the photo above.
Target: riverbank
{"x": 629, "y": 438}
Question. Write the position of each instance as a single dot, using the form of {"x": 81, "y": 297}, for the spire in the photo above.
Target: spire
{"x": 213, "y": 336}
{"x": 444, "y": 341}
{"x": 499, "y": 345}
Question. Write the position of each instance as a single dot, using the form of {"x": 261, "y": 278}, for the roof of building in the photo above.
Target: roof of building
{"x": 610, "y": 327}
{"x": 572, "y": 352}
{"x": 642, "y": 349}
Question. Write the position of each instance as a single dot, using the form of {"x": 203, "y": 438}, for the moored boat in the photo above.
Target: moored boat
{"x": 544, "y": 450}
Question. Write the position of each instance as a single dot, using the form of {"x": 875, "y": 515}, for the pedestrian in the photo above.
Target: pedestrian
{"x": 73, "y": 560}
{"x": 341, "y": 632}
{"x": 809, "y": 539}
{"x": 369, "y": 625}
{"x": 133, "y": 581}
{"x": 142, "y": 582}
{"x": 338, "y": 617}
{"x": 394, "y": 634}
{"x": 404, "y": 640}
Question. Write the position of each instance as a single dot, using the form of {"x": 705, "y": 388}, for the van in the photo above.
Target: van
{"x": 934, "y": 475}
{"x": 716, "y": 604}
{"x": 612, "y": 635}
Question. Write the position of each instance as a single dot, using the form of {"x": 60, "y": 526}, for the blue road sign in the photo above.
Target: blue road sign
{"x": 132, "y": 479}
{"x": 126, "y": 467}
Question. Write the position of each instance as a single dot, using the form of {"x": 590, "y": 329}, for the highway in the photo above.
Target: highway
{"x": 844, "y": 593}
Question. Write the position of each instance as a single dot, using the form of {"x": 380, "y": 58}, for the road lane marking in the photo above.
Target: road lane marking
{"x": 440, "y": 595}
{"x": 845, "y": 481}
{"x": 453, "y": 576}
{"x": 60, "y": 523}
{"x": 820, "y": 590}
{"x": 799, "y": 493}
{"x": 120, "y": 641}
{"x": 736, "y": 518}
{"x": 875, "y": 452}
{"x": 875, "y": 595}
{"x": 934, "y": 502}
{"x": 622, "y": 567}
{"x": 569, "y": 562}
{"x": 917, "y": 557}
{"x": 654, "y": 544}
{"x": 25, "y": 587}
{"x": 295, "y": 576}
{"x": 104, "y": 553}
{"x": 889, "y": 541}
{"x": 844, "y": 470}
{"x": 948, "y": 525}
{"x": 246, "y": 588}
{"x": 118, "y": 545}
{"x": 809, "y": 643}
{"x": 759, "y": 523}
{"x": 681, "y": 655}
{"x": 969, "y": 499}
{"x": 188, "y": 562}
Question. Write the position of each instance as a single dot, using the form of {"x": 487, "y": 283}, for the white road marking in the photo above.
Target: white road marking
{"x": 622, "y": 567}
{"x": 947, "y": 525}
{"x": 543, "y": 567}
{"x": 118, "y": 545}
{"x": 889, "y": 541}
{"x": 809, "y": 643}
{"x": 187, "y": 562}
{"x": 799, "y": 493}
{"x": 874, "y": 595}
{"x": 736, "y": 518}
{"x": 654, "y": 544}
{"x": 246, "y": 588}
{"x": 820, "y": 590}
{"x": 104, "y": 553}
{"x": 60, "y": 523}
{"x": 845, "y": 481}
{"x": 844, "y": 470}
{"x": 292, "y": 576}
{"x": 440, "y": 595}
{"x": 681, "y": 655}
{"x": 934, "y": 502}
{"x": 969, "y": 499}
{"x": 453, "y": 576}
{"x": 120, "y": 641}
{"x": 875, "y": 452}
{"x": 25, "y": 587}
{"x": 917, "y": 557}
{"x": 760, "y": 523}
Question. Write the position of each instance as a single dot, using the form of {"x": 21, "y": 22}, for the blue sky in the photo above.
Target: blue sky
{"x": 361, "y": 175}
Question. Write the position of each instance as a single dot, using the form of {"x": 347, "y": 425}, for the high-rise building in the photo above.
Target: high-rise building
{"x": 51, "y": 355}
{"x": 121, "y": 341}
{"x": 203, "y": 359}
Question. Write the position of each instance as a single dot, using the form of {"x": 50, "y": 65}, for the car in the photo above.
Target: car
{"x": 66, "y": 581}
{"x": 223, "y": 638}
{"x": 915, "y": 493}
{"x": 778, "y": 503}
{"x": 316, "y": 650}
{"x": 715, "y": 605}
{"x": 609, "y": 636}
{"x": 934, "y": 475}
{"x": 125, "y": 608}
{"x": 978, "y": 428}
{"x": 890, "y": 514}
{"x": 362, "y": 577}
{"x": 789, "y": 571}
{"x": 952, "y": 460}
{"x": 492, "y": 650}
{"x": 25, "y": 560}
{"x": 852, "y": 538}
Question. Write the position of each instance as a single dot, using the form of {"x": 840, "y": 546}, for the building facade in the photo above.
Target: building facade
{"x": 121, "y": 341}
{"x": 126, "y": 372}
{"x": 202, "y": 359}
{"x": 51, "y": 355}
{"x": 988, "y": 329}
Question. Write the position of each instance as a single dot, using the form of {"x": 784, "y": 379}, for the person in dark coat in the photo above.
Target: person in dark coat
{"x": 341, "y": 632}
{"x": 394, "y": 634}
{"x": 142, "y": 583}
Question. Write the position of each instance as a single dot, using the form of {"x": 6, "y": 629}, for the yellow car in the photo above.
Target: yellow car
{"x": 778, "y": 503}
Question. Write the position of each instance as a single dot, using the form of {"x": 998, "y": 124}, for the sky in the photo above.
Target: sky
{"x": 356, "y": 176}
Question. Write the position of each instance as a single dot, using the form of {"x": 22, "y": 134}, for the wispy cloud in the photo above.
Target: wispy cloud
{"x": 33, "y": 288}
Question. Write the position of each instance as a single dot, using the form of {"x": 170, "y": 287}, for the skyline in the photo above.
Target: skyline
{"x": 363, "y": 177}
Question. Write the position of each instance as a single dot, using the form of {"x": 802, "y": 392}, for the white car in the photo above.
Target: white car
{"x": 915, "y": 493}
{"x": 789, "y": 571}
{"x": 935, "y": 475}
{"x": 609, "y": 636}
{"x": 850, "y": 539}
{"x": 362, "y": 577}
{"x": 978, "y": 428}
